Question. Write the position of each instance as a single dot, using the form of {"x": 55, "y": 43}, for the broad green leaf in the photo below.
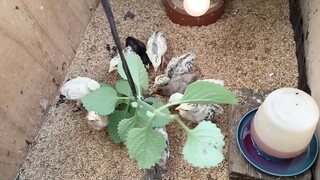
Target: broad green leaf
{"x": 127, "y": 124}
{"x": 145, "y": 145}
{"x": 137, "y": 71}
{"x": 104, "y": 85}
{"x": 206, "y": 92}
{"x": 103, "y": 100}
{"x": 204, "y": 145}
{"x": 114, "y": 120}
{"x": 122, "y": 86}
{"x": 159, "y": 120}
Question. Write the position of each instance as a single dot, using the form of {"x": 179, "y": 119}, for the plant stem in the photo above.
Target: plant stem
{"x": 152, "y": 109}
{"x": 126, "y": 98}
{"x": 177, "y": 118}
{"x": 168, "y": 105}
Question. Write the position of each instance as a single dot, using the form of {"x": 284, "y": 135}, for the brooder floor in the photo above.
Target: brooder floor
{"x": 251, "y": 47}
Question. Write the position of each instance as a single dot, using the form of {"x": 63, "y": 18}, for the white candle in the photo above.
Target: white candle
{"x": 284, "y": 124}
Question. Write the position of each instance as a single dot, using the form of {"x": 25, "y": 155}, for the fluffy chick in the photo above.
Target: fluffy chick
{"x": 95, "y": 121}
{"x": 164, "y": 157}
{"x": 178, "y": 83}
{"x": 199, "y": 112}
{"x": 156, "y": 48}
{"x": 175, "y": 97}
{"x": 77, "y": 88}
{"x": 115, "y": 61}
{"x": 181, "y": 65}
{"x": 161, "y": 80}
{"x": 216, "y": 81}
{"x": 140, "y": 48}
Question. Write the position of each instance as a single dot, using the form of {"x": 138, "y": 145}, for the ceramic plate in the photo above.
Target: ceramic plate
{"x": 288, "y": 167}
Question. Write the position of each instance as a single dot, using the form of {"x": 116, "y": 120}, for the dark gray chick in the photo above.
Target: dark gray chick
{"x": 140, "y": 48}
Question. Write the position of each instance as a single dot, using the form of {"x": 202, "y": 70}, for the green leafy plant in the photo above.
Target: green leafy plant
{"x": 132, "y": 119}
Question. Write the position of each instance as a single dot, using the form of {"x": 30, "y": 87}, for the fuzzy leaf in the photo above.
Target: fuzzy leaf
{"x": 204, "y": 145}
{"x": 206, "y": 92}
{"x": 159, "y": 121}
{"x": 145, "y": 145}
{"x": 122, "y": 86}
{"x": 103, "y": 100}
{"x": 114, "y": 120}
{"x": 126, "y": 125}
{"x": 137, "y": 70}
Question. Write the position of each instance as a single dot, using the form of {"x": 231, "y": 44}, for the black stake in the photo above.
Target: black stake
{"x": 108, "y": 11}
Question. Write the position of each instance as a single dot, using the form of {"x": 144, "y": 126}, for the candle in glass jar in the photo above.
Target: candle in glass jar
{"x": 284, "y": 124}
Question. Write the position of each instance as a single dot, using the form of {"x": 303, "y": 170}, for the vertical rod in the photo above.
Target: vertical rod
{"x": 108, "y": 11}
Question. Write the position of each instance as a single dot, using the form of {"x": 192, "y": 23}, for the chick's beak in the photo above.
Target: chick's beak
{"x": 111, "y": 69}
{"x": 178, "y": 108}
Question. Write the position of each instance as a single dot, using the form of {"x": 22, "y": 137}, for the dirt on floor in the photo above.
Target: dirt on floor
{"x": 250, "y": 47}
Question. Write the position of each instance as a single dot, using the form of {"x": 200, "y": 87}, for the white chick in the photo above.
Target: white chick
{"x": 216, "y": 81}
{"x": 199, "y": 112}
{"x": 77, "y": 88}
{"x": 115, "y": 60}
{"x": 175, "y": 97}
{"x": 181, "y": 65}
{"x": 95, "y": 121}
{"x": 156, "y": 48}
{"x": 161, "y": 80}
{"x": 164, "y": 157}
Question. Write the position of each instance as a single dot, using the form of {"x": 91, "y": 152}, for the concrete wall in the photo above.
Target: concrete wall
{"x": 38, "y": 40}
{"x": 311, "y": 28}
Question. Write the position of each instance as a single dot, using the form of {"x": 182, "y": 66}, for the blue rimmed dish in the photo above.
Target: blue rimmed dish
{"x": 287, "y": 167}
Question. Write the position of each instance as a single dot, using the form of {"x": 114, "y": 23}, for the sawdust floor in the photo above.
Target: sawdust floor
{"x": 251, "y": 46}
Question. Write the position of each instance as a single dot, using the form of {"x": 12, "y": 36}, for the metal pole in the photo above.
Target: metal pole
{"x": 108, "y": 11}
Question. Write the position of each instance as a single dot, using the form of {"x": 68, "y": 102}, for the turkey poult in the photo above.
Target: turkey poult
{"x": 95, "y": 121}
{"x": 161, "y": 80}
{"x": 181, "y": 65}
{"x": 164, "y": 157}
{"x": 77, "y": 88}
{"x": 175, "y": 97}
{"x": 115, "y": 61}
{"x": 199, "y": 112}
{"x": 178, "y": 83}
{"x": 216, "y": 81}
{"x": 177, "y": 66}
{"x": 140, "y": 48}
{"x": 156, "y": 48}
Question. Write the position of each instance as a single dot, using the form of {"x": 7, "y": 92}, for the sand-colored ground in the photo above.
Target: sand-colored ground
{"x": 251, "y": 46}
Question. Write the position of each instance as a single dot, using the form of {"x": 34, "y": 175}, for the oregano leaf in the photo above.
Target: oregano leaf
{"x": 206, "y": 92}
{"x": 127, "y": 124}
{"x": 124, "y": 126}
{"x": 204, "y": 145}
{"x": 122, "y": 86}
{"x": 137, "y": 70}
{"x": 114, "y": 120}
{"x": 159, "y": 121}
{"x": 145, "y": 145}
{"x": 103, "y": 100}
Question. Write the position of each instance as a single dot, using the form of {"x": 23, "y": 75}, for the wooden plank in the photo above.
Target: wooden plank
{"x": 239, "y": 168}
{"x": 23, "y": 83}
{"x": 65, "y": 33}
{"x": 38, "y": 40}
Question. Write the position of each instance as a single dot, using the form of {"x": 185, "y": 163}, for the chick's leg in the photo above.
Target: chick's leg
{"x": 164, "y": 63}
